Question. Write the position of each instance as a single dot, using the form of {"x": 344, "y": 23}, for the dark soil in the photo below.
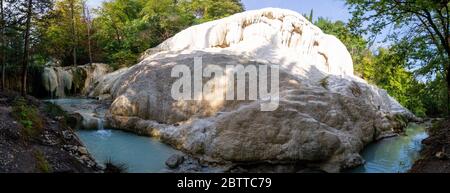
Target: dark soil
{"x": 436, "y": 151}
{"x": 55, "y": 149}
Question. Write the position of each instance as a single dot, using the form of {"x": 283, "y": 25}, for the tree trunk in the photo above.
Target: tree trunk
{"x": 26, "y": 49}
{"x": 448, "y": 90}
{"x": 2, "y": 39}
{"x": 74, "y": 36}
{"x": 447, "y": 76}
{"x": 87, "y": 18}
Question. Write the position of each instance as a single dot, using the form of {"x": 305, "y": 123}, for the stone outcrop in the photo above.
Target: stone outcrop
{"x": 83, "y": 113}
{"x": 277, "y": 35}
{"x": 64, "y": 81}
{"x": 325, "y": 116}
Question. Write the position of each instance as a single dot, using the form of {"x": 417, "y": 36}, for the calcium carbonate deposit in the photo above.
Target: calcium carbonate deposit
{"x": 326, "y": 115}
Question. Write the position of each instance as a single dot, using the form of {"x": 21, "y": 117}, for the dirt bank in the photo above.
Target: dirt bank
{"x": 436, "y": 151}
{"x": 34, "y": 138}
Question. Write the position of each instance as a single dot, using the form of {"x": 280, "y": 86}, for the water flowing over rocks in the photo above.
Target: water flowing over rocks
{"x": 326, "y": 115}
{"x": 83, "y": 113}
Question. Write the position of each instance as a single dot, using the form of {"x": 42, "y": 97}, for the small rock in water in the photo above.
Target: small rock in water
{"x": 174, "y": 161}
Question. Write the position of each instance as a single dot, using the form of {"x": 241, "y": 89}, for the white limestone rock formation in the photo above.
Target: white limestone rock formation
{"x": 61, "y": 81}
{"x": 277, "y": 35}
{"x": 325, "y": 117}
{"x": 102, "y": 86}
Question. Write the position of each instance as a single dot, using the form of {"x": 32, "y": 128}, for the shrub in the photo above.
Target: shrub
{"x": 41, "y": 162}
{"x": 324, "y": 82}
{"x": 28, "y": 116}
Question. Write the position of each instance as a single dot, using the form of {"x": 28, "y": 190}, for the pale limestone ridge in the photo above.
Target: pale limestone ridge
{"x": 277, "y": 35}
{"x": 326, "y": 114}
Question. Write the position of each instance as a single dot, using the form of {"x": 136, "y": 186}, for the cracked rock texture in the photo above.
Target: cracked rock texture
{"x": 325, "y": 117}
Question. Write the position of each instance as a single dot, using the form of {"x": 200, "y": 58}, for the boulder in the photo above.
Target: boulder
{"x": 325, "y": 115}
{"x": 75, "y": 121}
{"x": 174, "y": 161}
{"x": 84, "y": 120}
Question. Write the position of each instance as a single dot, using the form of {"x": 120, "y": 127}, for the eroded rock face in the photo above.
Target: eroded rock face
{"x": 276, "y": 35}
{"x": 64, "y": 81}
{"x": 325, "y": 116}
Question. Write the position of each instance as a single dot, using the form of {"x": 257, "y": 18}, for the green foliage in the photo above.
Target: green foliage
{"x": 324, "y": 82}
{"x": 42, "y": 164}
{"x": 59, "y": 38}
{"x": 355, "y": 43}
{"x": 208, "y": 10}
{"x": 434, "y": 96}
{"x": 420, "y": 31}
{"x": 126, "y": 28}
{"x": 28, "y": 116}
{"x": 386, "y": 68}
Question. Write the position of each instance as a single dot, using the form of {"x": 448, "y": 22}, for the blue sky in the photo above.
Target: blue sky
{"x": 331, "y": 9}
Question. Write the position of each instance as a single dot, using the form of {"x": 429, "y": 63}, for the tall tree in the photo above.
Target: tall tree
{"x": 121, "y": 31}
{"x": 26, "y": 47}
{"x": 137, "y": 25}
{"x": 423, "y": 24}
{"x": 2, "y": 44}
{"x": 74, "y": 35}
{"x": 207, "y": 10}
{"x": 64, "y": 37}
{"x": 311, "y": 15}
{"x": 88, "y": 21}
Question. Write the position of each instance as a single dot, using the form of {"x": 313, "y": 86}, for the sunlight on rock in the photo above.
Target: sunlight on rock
{"x": 326, "y": 115}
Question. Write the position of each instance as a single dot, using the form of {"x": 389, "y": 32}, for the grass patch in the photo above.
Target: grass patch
{"x": 28, "y": 116}
{"x": 41, "y": 162}
{"x": 356, "y": 90}
{"x": 324, "y": 82}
